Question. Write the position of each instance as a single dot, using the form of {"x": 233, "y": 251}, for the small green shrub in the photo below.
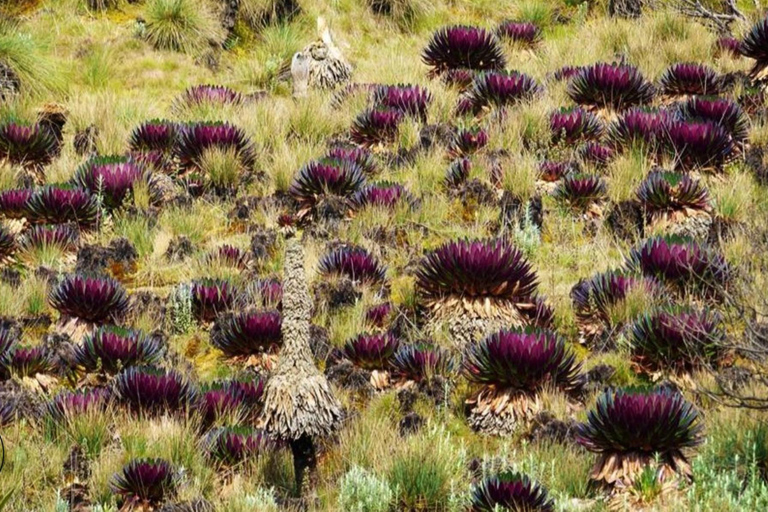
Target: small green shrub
{"x": 362, "y": 491}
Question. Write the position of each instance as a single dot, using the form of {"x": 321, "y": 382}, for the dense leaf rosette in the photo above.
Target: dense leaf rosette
{"x": 681, "y": 262}
{"x": 376, "y": 126}
{"x": 678, "y": 338}
{"x": 522, "y": 359}
{"x": 354, "y": 263}
{"x": 613, "y": 86}
{"x": 153, "y": 391}
{"x": 144, "y": 482}
{"x": 510, "y": 491}
{"x": 93, "y": 299}
{"x": 690, "y": 79}
{"x": 27, "y": 145}
{"x": 665, "y": 192}
{"x": 421, "y": 362}
{"x": 698, "y": 144}
{"x": 371, "y": 351}
{"x": 463, "y": 47}
{"x": 248, "y": 333}
{"x": 492, "y": 273}
{"x": 111, "y": 348}
{"x": 61, "y": 205}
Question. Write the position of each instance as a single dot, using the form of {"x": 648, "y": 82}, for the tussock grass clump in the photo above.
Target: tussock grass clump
{"x": 181, "y": 25}
{"x": 102, "y": 5}
{"x": 221, "y": 167}
{"x": 425, "y": 470}
{"x": 260, "y": 13}
{"x": 27, "y": 64}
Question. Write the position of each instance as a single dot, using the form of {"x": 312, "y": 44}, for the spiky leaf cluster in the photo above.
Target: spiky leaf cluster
{"x": 476, "y": 269}
{"x": 371, "y": 351}
{"x": 566, "y": 72}
{"x": 594, "y": 297}
{"x": 144, "y": 481}
{"x": 152, "y": 391}
{"x": 13, "y": 202}
{"x": 551, "y": 171}
{"x": 723, "y": 112}
{"x": 196, "y": 138}
{"x": 211, "y": 297}
{"x": 62, "y": 236}
{"x": 354, "y": 263}
{"x": 230, "y": 256}
{"x": 614, "y": 86}
{"x": 27, "y": 145}
{"x": 519, "y": 32}
{"x": 459, "y": 78}
{"x": 376, "y": 126}
{"x": 665, "y": 191}
{"x": 68, "y": 405}
{"x": 728, "y": 46}
{"x": 409, "y": 100}
{"x": 229, "y": 400}
{"x": 379, "y": 315}
{"x": 93, "y": 299}
{"x": 755, "y": 46}
{"x": 463, "y": 47}
{"x": 467, "y": 141}
{"x": 676, "y": 338}
{"x": 7, "y": 243}
{"x": 323, "y": 178}
{"x": 7, "y": 413}
{"x": 687, "y": 78}
{"x": 210, "y": 94}
{"x": 247, "y": 333}
{"x": 359, "y": 157}
{"x": 111, "y": 178}
{"x": 458, "y": 173}
{"x": 510, "y": 491}
{"x": 698, "y": 144}
{"x": 61, "y": 205}
{"x": 581, "y": 190}
{"x": 595, "y": 154}
{"x": 652, "y": 422}
{"x": 233, "y": 445}
{"x": 110, "y": 349}
{"x": 156, "y": 135}
{"x": 574, "y": 125}
{"x": 29, "y": 361}
{"x": 500, "y": 89}
{"x": 216, "y": 401}
{"x": 421, "y": 362}
{"x": 383, "y": 194}
{"x": 522, "y": 359}
{"x": 639, "y": 126}
{"x": 681, "y": 262}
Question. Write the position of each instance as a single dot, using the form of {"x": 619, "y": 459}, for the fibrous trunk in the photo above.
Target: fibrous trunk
{"x": 304, "y": 463}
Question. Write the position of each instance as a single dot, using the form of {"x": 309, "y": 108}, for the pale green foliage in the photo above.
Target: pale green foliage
{"x": 527, "y": 236}
{"x": 715, "y": 489}
{"x": 362, "y": 491}
{"x": 261, "y": 499}
{"x": 180, "y": 309}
